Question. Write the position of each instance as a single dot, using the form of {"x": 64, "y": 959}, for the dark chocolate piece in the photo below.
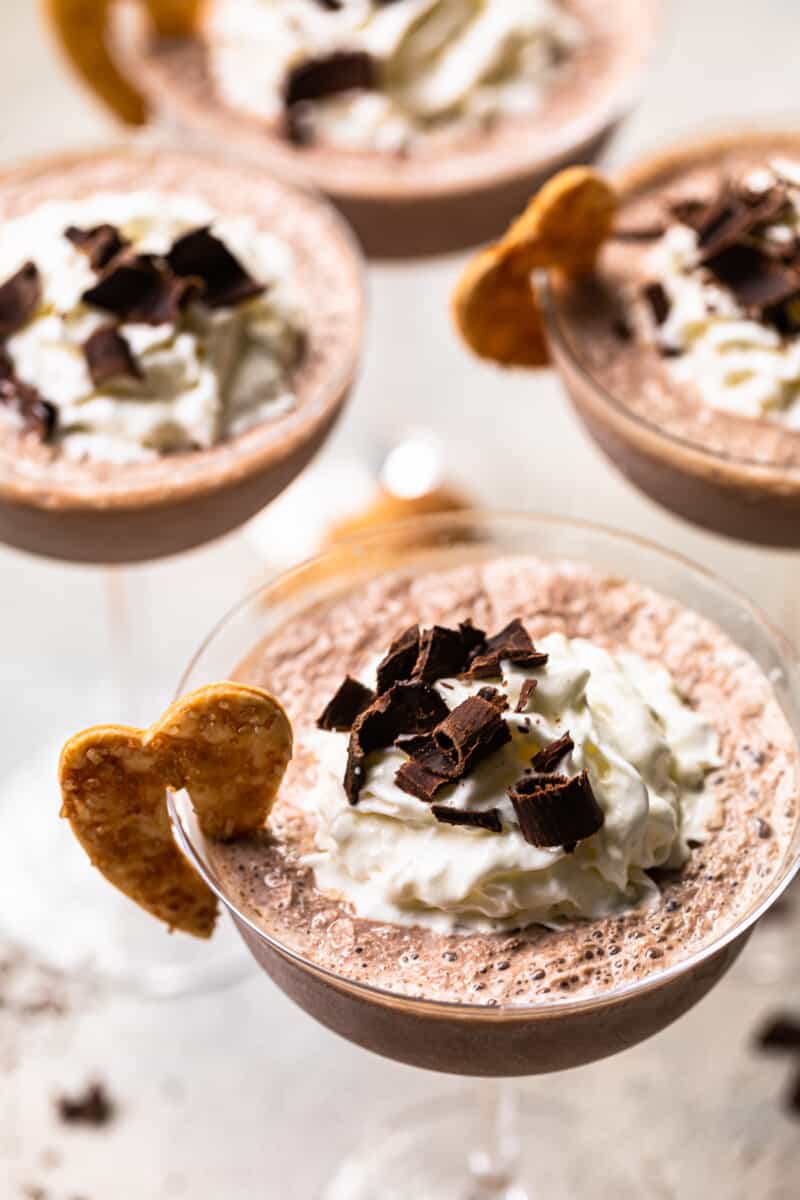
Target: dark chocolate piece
{"x": 488, "y": 819}
{"x": 92, "y": 1107}
{"x": 442, "y": 653}
{"x": 782, "y": 1032}
{"x": 342, "y": 71}
{"x": 399, "y": 660}
{"x": 758, "y": 282}
{"x": 38, "y": 415}
{"x": 658, "y": 301}
{"x": 550, "y": 756}
{"x": 418, "y": 781}
{"x": 20, "y": 296}
{"x": 555, "y": 811}
{"x": 407, "y": 707}
{"x": 201, "y": 255}
{"x": 529, "y": 686}
{"x": 100, "y": 244}
{"x": 470, "y": 733}
{"x": 351, "y": 699}
{"x": 137, "y": 288}
{"x": 512, "y": 643}
{"x": 109, "y": 356}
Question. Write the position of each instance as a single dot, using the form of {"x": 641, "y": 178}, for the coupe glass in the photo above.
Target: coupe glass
{"x": 475, "y": 1149}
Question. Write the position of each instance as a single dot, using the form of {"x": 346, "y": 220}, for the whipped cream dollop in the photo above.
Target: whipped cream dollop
{"x": 438, "y": 61}
{"x": 646, "y": 753}
{"x": 739, "y": 364}
{"x": 213, "y": 374}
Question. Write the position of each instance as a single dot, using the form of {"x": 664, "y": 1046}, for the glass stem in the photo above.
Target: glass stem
{"x": 125, "y": 700}
{"x": 493, "y": 1166}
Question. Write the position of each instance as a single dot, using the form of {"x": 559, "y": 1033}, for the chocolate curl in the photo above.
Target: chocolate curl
{"x": 555, "y": 811}
{"x": 100, "y": 244}
{"x": 408, "y": 707}
{"x": 109, "y": 356}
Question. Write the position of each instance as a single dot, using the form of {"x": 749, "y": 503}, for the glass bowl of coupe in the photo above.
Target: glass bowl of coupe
{"x": 570, "y": 792}
{"x": 680, "y": 351}
{"x": 427, "y": 123}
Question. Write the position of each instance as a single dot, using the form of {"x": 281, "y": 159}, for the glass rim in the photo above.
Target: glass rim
{"x": 502, "y": 1011}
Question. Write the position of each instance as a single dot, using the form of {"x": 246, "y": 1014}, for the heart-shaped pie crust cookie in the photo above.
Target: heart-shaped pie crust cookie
{"x": 226, "y": 744}
{"x": 494, "y": 305}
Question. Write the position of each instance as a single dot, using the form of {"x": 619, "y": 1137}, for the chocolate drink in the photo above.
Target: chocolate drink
{"x": 442, "y": 177}
{"x": 435, "y": 977}
{"x": 679, "y": 371}
{"x": 173, "y": 415}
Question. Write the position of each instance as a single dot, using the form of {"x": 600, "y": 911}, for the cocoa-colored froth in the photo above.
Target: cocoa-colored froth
{"x": 631, "y": 370}
{"x": 112, "y": 512}
{"x": 305, "y": 660}
{"x": 409, "y": 204}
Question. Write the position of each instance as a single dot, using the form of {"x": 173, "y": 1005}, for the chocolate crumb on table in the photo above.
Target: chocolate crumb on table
{"x": 92, "y": 1107}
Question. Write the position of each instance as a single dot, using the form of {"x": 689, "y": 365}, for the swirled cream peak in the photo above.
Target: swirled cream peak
{"x": 214, "y": 372}
{"x": 436, "y": 61}
{"x": 740, "y": 355}
{"x": 646, "y": 753}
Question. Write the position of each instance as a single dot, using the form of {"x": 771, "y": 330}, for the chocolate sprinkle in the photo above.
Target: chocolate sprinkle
{"x": 109, "y": 356}
{"x": 550, "y": 756}
{"x": 555, "y": 811}
{"x": 513, "y": 643}
{"x": 487, "y": 819}
{"x": 201, "y": 255}
{"x": 342, "y": 71}
{"x": 20, "y": 296}
{"x": 529, "y": 686}
{"x": 351, "y": 699}
{"x": 100, "y": 244}
{"x": 137, "y": 288}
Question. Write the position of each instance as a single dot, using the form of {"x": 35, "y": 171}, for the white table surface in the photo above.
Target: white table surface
{"x": 236, "y": 1094}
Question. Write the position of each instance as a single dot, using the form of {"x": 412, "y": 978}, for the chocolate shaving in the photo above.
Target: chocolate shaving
{"x": 470, "y": 733}
{"x": 639, "y": 233}
{"x": 513, "y": 643}
{"x": 555, "y": 811}
{"x": 758, "y": 282}
{"x": 109, "y": 356}
{"x": 100, "y": 244}
{"x": 342, "y": 71}
{"x": 418, "y": 781}
{"x": 467, "y": 735}
{"x": 138, "y": 289}
{"x": 201, "y": 255}
{"x": 407, "y": 707}
{"x": 658, "y": 301}
{"x": 495, "y": 697}
{"x": 445, "y": 652}
{"x": 20, "y": 296}
{"x": 38, "y": 415}
{"x": 487, "y": 819}
{"x": 529, "y": 686}
{"x": 351, "y": 699}
{"x": 550, "y": 756}
{"x": 399, "y": 660}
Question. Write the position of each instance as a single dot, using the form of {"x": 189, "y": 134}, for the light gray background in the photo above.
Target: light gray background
{"x": 237, "y": 1094}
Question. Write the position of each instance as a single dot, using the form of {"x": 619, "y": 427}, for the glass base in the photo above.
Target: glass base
{"x": 58, "y": 909}
{"x": 432, "y": 1153}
